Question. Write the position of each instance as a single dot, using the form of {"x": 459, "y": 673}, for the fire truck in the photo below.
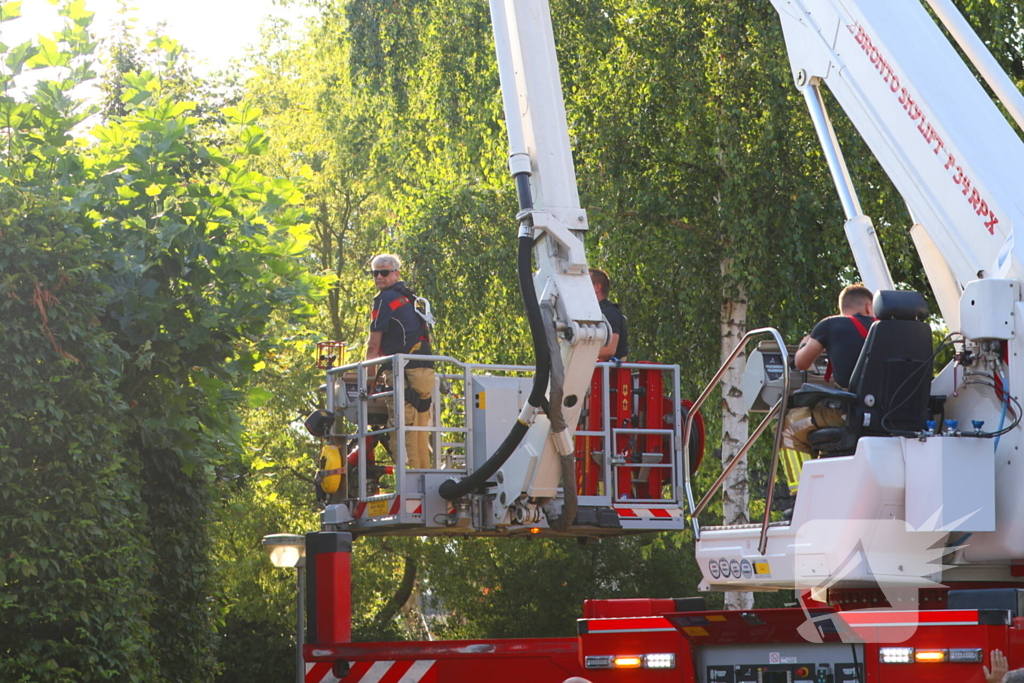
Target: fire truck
{"x": 906, "y": 540}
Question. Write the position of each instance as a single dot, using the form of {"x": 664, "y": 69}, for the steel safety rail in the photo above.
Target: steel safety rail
{"x": 400, "y": 430}
{"x": 607, "y": 429}
{"x": 696, "y": 509}
{"x": 670, "y": 466}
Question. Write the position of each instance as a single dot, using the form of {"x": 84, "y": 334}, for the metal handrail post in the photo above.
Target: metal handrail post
{"x": 361, "y": 427}
{"x": 398, "y": 415}
{"x": 469, "y": 462}
{"x": 740, "y": 347}
{"x": 677, "y": 428}
{"x": 435, "y": 438}
{"x": 770, "y": 493}
{"x": 607, "y": 470}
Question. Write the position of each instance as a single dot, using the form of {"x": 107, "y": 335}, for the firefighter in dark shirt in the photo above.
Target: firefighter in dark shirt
{"x": 618, "y": 346}
{"x": 843, "y": 336}
{"x": 396, "y": 327}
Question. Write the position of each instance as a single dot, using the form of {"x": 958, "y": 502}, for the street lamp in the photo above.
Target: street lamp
{"x": 289, "y": 550}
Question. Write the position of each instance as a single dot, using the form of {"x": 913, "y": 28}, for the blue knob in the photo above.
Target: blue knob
{"x": 977, "y": 424}
{"x": 930, "y": 425}
{"x": 951, "y": 425}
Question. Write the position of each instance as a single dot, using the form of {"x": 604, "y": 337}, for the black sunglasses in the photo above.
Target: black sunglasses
{"x": 382, "y": 273}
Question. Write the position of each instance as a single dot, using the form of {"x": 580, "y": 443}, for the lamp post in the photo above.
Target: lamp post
{"x": 289, "y": 550}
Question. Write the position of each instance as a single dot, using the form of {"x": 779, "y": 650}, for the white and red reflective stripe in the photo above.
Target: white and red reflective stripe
{"x": 628, "y": 625}
{"x": 903, "y": 618}
{"x": 386, "y": 671}
{"x": 320, "y": 672}
{"x": 414, "y": 506}
{"x": 649, "y": 513}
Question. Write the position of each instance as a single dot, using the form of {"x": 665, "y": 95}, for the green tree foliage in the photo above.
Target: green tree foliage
{"x": 505, "y": 588}
{"x": 401, "y": 136}
{"x": 141, "y": 265}
{"x": 74, "y": 603}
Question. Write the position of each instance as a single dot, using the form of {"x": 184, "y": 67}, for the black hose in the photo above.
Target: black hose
{"x": 523, "y": 191}
{"x": 451, "y": 489}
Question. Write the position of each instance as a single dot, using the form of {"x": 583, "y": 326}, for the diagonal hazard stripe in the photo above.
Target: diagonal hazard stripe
{"x": 316, "y": 672}
{"x": 409, "y": 671}
{"x": 376, "y": 672}
{"x": 357, "y": 671}
{"x": 422, "y": 671}
{"x": 396, "y": 674}
{"x": 389, "y": 671}
{"x": 649, "y": 513}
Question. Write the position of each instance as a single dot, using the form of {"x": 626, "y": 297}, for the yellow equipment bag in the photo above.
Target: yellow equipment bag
{"x": 331, "y": 469}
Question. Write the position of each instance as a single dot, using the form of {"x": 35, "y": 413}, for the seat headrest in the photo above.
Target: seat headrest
{"x": 891, "y": 304}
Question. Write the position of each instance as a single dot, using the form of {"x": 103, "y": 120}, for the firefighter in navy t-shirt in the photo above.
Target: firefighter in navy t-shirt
{"x": 843, "y": 336}
{"x": 618, "y": 345}
{"x": 396, "y": 327}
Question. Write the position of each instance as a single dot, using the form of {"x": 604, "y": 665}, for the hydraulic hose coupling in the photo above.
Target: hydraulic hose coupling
{"x": 463, "y": 515}
{"x": 519, "y": 164}
{"x": 528, "y": 414}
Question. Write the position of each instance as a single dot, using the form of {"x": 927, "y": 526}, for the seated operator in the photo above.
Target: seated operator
{"x": 618, "y": 345}
{"x": 843, "y": 337}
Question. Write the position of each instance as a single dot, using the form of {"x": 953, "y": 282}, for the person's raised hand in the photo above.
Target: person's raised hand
{"x": 999, "y": 667}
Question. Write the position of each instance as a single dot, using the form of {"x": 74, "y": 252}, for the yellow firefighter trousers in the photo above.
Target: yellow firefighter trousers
{"x": 417, "y": 444}
{"x": 795, "y": 450}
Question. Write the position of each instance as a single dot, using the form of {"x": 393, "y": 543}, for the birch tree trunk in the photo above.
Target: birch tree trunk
{"x": 736, "y": 494}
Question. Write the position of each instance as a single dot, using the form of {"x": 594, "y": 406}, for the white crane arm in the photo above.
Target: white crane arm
{"x": 938, "y": 135}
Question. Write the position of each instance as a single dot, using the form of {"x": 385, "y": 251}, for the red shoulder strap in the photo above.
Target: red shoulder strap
{"x": 860, "y": 326}
{"x": 863, "y": 335}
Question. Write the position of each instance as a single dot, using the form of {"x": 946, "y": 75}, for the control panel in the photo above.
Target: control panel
{"x": 763, "y": 379}
{"x": 782, "y": 663}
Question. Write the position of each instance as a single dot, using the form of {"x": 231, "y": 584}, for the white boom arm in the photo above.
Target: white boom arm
{"x": 539, "y": 147}
{"x": 944, "y": 143}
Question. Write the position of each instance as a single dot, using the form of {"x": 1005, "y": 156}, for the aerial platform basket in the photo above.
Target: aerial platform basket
{"x": 628, "y": 451}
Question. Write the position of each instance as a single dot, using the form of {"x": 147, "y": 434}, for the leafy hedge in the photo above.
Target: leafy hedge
{"x": 139, "y": 268}
{"x": 74, "y": 558}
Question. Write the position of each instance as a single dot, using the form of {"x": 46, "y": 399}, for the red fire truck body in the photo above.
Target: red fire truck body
{"x": 622, "y": 641}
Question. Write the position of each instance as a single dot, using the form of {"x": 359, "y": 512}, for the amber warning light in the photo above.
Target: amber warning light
{"x": 660, "y": 660}
{"x": 329, "y": 354}
{"x": 930, "y": 655}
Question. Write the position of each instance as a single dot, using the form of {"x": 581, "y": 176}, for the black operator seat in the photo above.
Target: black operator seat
{"x": 891, "y": 383}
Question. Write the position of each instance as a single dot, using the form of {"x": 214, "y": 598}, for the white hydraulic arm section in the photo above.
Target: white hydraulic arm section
{"x": 943, "y": 142}
{"x": 539, "y": 148}
{"x": 958, "y": 164}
